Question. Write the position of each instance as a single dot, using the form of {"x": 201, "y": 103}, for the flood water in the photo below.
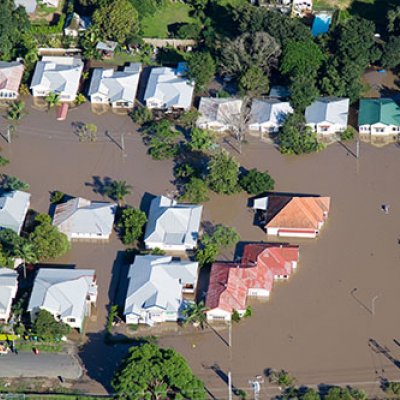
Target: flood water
{"x": 320, "y": 323}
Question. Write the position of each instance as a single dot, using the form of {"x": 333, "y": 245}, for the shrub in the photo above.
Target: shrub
{"x": 56, "y": 197}
{"x": 131, "y": 224}
{"x": 196, "y": 191}
{"x": 347, "y": 134}
{"x": 235, "y": 316}
{"x": 256, "y": 182}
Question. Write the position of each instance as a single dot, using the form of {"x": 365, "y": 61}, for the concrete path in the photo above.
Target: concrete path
{"x": 52, "y": 365}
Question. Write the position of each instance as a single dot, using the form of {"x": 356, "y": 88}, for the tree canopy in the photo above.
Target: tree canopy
{"x": 47, "y": 328}
{"x": 131, "y": 224}
{"x": 151, "y": 372}
{"x": 201, "y": 69}
{"x": 223, "y": 174}
{"x": 256, "y": 182}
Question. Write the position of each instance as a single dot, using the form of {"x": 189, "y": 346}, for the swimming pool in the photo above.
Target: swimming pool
{"x": 321, "y": 24}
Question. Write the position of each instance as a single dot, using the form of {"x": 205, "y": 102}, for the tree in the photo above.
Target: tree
{"x": 196, "y": 191}
{"x": 11, "y": 183}
{"x": 150, "y": 372}
{"x": 87, "y": 132}
{"x": 248, "y": 50}
{"x": 195, "y": 313}
{"x": 80, "y": 99}
{"x": 223, "y": 173}
{"x": 222, "y": 237}
{"x": 254, "y": 81}
{"x": 303, "y": 91}
{"x": 118, "y": 190}
{"x": 57, "y": 197}
{"x": 162, "y": 140}
{"x": 201, "y": 69}
{"x": 116, "y": 20}
{"x": 4, "y": 161}
{"x": 16, "y": 111}
{"x": 201, "y": 139}
{"x": 207, "y": 255}
{"x": 282, "y": 378}
{"x": 47, "y": 328}
{"x": 391, "y": 52}
{"x": 131, "y": 224}
{"x": 188, "y": 118}
{"x": 52, "y": 99}
{"x": 393, "y": 19}
{"x": 256, "y": 182}
{"x": 297, "y": 138}
{"x": 27, "y": 253}
{"x": 141, "y": 115}
{"x": 47, "y": 241}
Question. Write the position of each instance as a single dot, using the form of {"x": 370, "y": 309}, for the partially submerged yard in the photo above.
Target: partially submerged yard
{"x": 315, "y": 325}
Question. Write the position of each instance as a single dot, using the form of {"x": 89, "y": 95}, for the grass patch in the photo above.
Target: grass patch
{"x": 156, "y": 26}
{"x": 42, "y": 347}
{"x": 121, "y": 59}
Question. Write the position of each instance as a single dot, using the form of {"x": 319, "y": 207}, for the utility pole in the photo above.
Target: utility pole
{"x": 373, "y": 304}
{"x": 10, "y": 132}
{"x": 230, "y": 362}
{"x": 358, "y": 148}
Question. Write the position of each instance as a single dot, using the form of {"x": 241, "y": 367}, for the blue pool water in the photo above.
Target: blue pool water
{"x": 321, "y": 24}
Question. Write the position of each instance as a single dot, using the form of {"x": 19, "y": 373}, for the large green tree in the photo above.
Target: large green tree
{"x": 131, "y": 224}
{"x": 256, "y": 182}
{"x": 150, "y": 372}
{"x": 254, "y": 81}
{"x": 118, "y": 190}
{"x": 223, "y": 173}
{"x": 47, "y": 240}
{"x": 47, "y": 328}
{"x": 201, "y": 69}
{"x": 116, "y": 20}
{"x": 391, "y": 52}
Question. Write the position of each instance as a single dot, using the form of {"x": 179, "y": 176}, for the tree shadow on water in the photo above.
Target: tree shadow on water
{"x": 100, "y": 185}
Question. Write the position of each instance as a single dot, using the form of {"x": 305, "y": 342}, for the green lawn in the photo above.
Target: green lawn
{"x": 156, "y": 26}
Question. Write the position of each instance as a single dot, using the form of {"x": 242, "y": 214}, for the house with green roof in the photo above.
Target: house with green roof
{"x": 379, "y": 117}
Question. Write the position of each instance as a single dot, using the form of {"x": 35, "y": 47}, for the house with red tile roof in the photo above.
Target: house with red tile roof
{"x": 10, "y": 79}
{"x": 294, "y": 216}
{"x": 232, "y": 283}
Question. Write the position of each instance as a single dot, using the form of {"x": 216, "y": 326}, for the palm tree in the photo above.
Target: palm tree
{"x": 16, "y": 111}
{"x": 53, "y": 99}
{"x": 11, "y": 183}
{"x": 195, "y": 314}
{"x": 118, "y": 190}
{"x": 80, "y": 99}
{"x": 26, "y": 252}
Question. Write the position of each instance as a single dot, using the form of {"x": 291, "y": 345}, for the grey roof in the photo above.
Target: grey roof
{"x": 218, "y": 110}
{"x": 62, "y": 292}
{"x": 8, "y": 284}
{"x": 58, "y": 74}
{"x": 168, "y": 87}
{"x": 108, "y": 45}
{"x": 279, "y": 91}
{"x": 13, "y": 208}
{"x": 173, "y": 224}
{"x": 156, "y": 281}
{"x": 271, "y": 111}
{"x": 83, "y": 216}
{"x": 30, "y": 5}
{"x": 328, "y": 109}
{"x": 116, "y": 85}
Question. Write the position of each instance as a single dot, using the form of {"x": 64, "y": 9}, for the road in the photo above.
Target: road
{"x": 28, "y": 365}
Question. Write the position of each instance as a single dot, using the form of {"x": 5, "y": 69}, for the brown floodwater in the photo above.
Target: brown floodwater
{"x": 319, "y": 324}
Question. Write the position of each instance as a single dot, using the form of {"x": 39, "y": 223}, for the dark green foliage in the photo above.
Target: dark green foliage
{"x": 196, "y": 191}
{"x": 188, "y": 118}
{"x": 189, "y": 31}
{"x": 113, "y": 313}
{"x": 223, "y": 173}
{"x": 348, "y": 134}
{"x": 11, "y": 183}
{"x": 248, "y": 313}
{"x": 146, "y": 7}
{"x": 116, "y": 21}
{"x": 222, "y": 237}
{"x": 303, "y": 91}
{"x": 201, "y": 69}
{"x": 161, "y": 139}
{"x": 195, "y": 314}
{"x": 254, "y": 81}
{"x": 131, "y": 224}
{"x": 16, "y": 111}
{"x": 47, "y": 328}
{"x": 235, "y": 317}
{"x": 392, "y": 388}
{"x": 256, "y": 182}
{"x": 200, "y": 139}
{"x": 297, "y": 138}
{"x": 48, "y": 242}
{"x": 118, "y": 190}
{"x": 141, "y": 115}
{"x": 207, "y": 255}
{"x": 56, "y": 197}
{"x": 391, "y": 53}
{"x": 152, "y": 372}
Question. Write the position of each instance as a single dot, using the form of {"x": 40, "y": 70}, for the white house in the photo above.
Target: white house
{"x": 60, "y": 75}
{"x": 172, "y": 226}
{"x": 66, "y": 293}
{"x": 13, "y": 209}
{"x": 8, "y": 291}
{"x": 30, "y": 5}
{"x": 379, "y": 117}
{"x": 218, "y": 114}
{"x": 75, "y": 25}
{"x": 156, "y": 284}
{"x": 328, "y": 115}
{"x": 83, "y": 219}
{"x": 268, "y": 115}
{"x": 117, "y": 88}
{"x": 166, "y": 89}
{"x": 10, "y": 79}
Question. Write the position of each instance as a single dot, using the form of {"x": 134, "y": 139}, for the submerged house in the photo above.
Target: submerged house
{"x": 13, "y": 209}
{"x": 156, "y": 287}
{"x": 231, "y": 284}
{"x": 10, "y": 79}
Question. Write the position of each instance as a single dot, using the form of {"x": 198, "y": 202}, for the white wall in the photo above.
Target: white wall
{"x": 8, "y": 94}
{"x": 379, "y": 129}
{"x": 217, "y": 314}
{"x": 92, "y": 236}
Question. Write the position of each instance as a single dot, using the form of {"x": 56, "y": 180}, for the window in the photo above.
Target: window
{"x": 71, "y": 320}
{"x": 218, "y": 318}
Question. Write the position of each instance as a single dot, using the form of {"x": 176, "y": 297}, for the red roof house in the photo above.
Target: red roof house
{"x": 231, "y": 283}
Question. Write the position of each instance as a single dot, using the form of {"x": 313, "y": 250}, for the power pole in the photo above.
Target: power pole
{"x": 230, "y": 362}
{"x": 358, "y": 148}
{"x": 10, "y": 132}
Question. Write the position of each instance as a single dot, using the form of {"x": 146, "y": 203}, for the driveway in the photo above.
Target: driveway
{"x": 28, "y": 365}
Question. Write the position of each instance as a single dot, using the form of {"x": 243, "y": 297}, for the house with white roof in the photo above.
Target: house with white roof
{"x": 117, "y": 88}
{"x": 8, "y": 291}
{"x": 156, "y": 287}
{"x": 68, "y": 294}
{"x": 13, "y": 209}
{"x": 167, "y": 89}
{"x": 82, "y": 219}
{"x": 218, "y": 114}
{"x": 268, "y": 115}
{"x": 30, "y": 5}
{"x": 76, "y": 24}
{"x": 60, "y": 75}
{"x": 10, "y": 79}
{"x": 172, "y": 226}
{"x": 328, "y": 115}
